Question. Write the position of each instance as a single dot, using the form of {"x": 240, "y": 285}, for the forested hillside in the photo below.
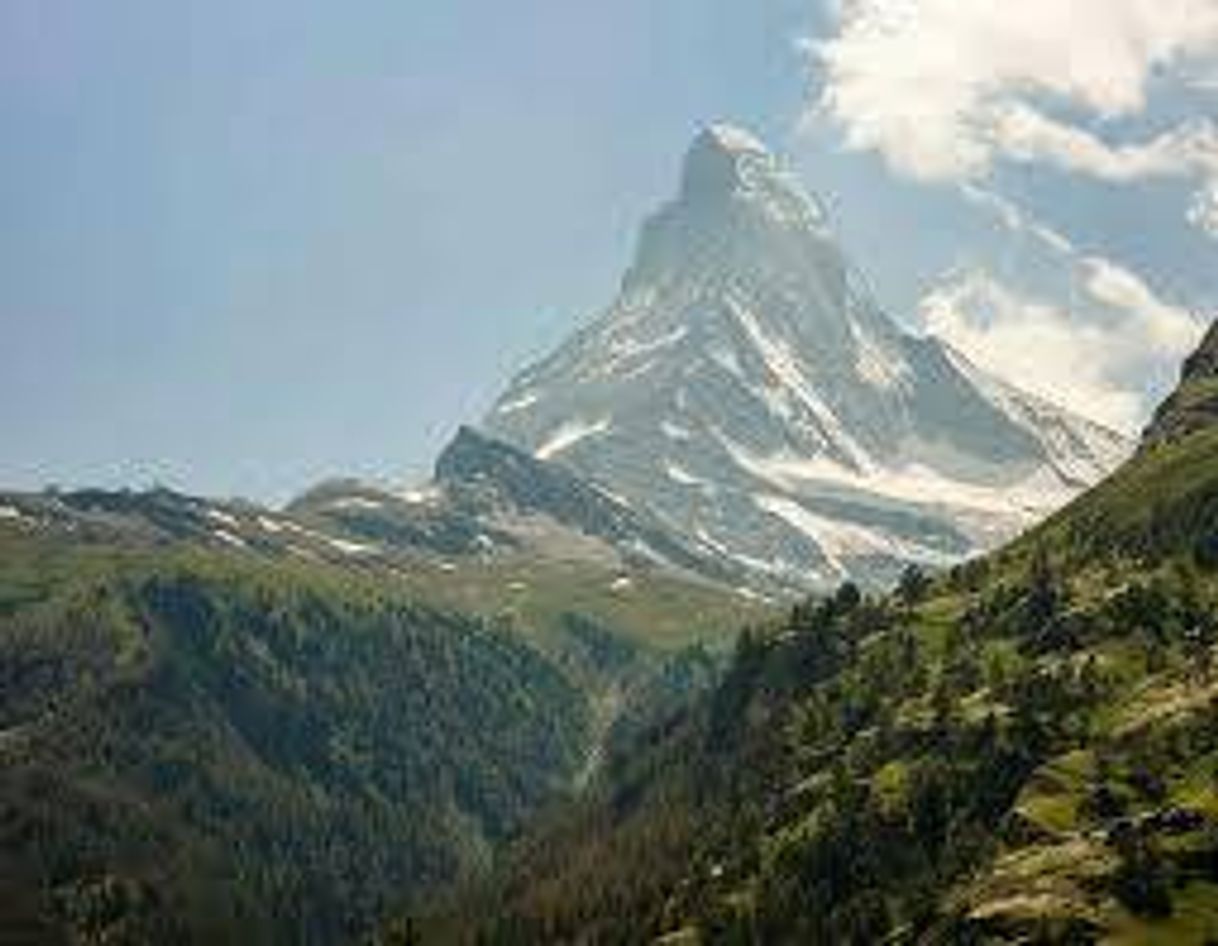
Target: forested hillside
{"x": 201, "y": 744}
{"x": 1024, "y": 749}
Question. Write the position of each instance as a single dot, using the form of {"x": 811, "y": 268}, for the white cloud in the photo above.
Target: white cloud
{"x": 1017, "y": 220}
{"x": 1046, "y": 349}
{"x": 1027, "y": 135}
{"x": 1032, "y": 343}
{"x": 1162, "y": 330}
{"x": 1082, "y": 354}
{"x": 1171, "y": 331}
{"x": 1203, "y": 214}
{"x": 945, "y": 88}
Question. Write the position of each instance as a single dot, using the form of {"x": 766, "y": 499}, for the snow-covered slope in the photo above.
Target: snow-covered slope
{"x": 746, "y": 390}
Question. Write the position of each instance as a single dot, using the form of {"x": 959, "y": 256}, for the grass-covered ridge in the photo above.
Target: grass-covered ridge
{"x": 1163, "y": 503}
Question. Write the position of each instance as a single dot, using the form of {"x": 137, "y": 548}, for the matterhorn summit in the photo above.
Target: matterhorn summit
{"x": 746, "y": 390}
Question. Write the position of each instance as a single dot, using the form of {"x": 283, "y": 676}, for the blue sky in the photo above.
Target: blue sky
{"x": 248, "y": 246}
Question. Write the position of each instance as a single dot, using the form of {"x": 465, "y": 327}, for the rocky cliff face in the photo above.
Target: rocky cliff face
{"x": 1193, "y": 405}
{"x": 745, "y": 390}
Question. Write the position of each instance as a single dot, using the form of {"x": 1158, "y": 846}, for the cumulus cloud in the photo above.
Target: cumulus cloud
{"x": 1083, "y": 354}
{"x": 1082, "y": 364}
{"x": 1161, "y": 330}
{"x": 1034, "y": 343}
{"x": 944, "y": 89}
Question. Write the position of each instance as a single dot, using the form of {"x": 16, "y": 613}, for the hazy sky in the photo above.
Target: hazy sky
{"x": 245, "y": 246}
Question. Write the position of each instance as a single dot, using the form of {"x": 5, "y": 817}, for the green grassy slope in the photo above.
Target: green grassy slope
{"x": 1163, "y": 503}
{"x": 649, "y": 609}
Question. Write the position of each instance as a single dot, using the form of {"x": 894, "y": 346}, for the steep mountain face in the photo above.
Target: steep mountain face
{"x": 746, "y": 390}
{"x": 1193, "y": 405}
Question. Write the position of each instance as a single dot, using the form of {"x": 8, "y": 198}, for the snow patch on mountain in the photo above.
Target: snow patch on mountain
{"x": 567, "y": 435}
{"x": 528, "y": 399}
{"x": 843, "y": 541}
{"x": 223, "y": 518}
{"x": 914, "y": 483}
{"x": 679, "y": 474}
{"x": 875, "y": 366}
{"x": 356, "y": 503}
{"x": 420, "y": 495}
{"x": 229, "y": 539}
{"x": 674, "y": 431}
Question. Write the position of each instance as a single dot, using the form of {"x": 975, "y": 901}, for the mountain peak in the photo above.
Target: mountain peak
{"x": 745, "y": 390}
{"x": 731, "y": 138}
{"x": 721, "y": 159}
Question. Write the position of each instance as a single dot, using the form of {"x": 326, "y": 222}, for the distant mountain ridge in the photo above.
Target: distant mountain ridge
{"x": 488, "y": 498}
{"x": 747, "y": 391}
